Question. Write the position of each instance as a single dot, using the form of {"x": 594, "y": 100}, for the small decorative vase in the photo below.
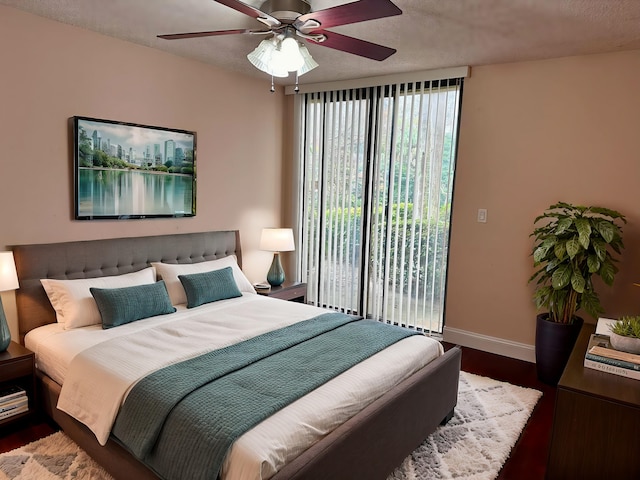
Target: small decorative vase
{"x": 625, "y": 344}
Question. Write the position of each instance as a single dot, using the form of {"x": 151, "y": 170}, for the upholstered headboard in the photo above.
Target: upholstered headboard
{"x": 99, "y": 258}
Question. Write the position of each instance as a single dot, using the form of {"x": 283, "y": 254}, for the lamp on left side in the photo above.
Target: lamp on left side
{"x": 8, "y": 281}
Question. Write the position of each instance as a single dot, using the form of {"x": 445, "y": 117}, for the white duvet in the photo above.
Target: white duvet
{"x": 97, "y": 368}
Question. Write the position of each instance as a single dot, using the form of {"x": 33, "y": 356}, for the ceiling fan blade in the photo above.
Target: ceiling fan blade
{"x": 251, "y": 11}
{"x": 353, "y": 12}
{"x": 356, "y": 46}
{"x": 178, "y": 36}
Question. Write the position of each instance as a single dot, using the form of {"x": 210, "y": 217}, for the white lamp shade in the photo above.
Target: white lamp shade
{"x": 8, "y": 275}
{"x": 277, "y": 240}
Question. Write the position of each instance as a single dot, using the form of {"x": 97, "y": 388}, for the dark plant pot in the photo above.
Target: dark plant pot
{"x": 554, "y": 342}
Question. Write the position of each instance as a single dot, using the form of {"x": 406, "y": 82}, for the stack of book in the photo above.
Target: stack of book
{"x": 13, "y": 401}
{"x": 602, "y": 356}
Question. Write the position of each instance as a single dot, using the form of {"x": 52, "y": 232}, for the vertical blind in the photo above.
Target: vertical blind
{"x": 377, "y": 168}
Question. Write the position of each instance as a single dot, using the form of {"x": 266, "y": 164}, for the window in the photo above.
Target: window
{"x": 377, "y": 168}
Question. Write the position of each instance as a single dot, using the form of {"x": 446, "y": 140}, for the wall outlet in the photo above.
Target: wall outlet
{"x": 482, "y": 215}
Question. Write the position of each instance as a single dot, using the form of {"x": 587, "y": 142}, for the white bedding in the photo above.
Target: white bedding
{"x": 98, "y": 367}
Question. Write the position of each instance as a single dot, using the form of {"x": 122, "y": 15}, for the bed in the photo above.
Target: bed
{"x": 369, "y": 444}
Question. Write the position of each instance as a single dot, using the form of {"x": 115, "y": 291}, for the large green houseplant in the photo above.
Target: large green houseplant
{"x": 572, "y": 245}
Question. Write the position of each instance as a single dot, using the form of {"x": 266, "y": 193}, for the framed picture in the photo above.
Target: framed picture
{"x": 124, "y": 170}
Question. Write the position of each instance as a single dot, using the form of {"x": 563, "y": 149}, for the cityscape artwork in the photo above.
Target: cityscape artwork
{"x": 124, "y": 170}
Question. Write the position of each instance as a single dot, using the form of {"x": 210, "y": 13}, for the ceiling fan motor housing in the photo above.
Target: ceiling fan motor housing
{"x": 286, "y": 10}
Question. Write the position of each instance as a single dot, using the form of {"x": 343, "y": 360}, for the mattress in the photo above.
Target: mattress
{"x": 98, "y": 367}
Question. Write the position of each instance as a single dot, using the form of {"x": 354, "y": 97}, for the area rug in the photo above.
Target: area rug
{"x": 474, "y": 444}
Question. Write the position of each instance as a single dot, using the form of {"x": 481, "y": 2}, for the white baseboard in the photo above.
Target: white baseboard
{"x": 499, "y": 346}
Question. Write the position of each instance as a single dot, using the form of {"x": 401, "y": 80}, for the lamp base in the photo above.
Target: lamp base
{"x": 275, "y": 277}
{"x": 5, "y": 334}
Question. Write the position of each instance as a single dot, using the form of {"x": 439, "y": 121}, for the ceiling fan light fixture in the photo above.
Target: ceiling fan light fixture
{"x": 281, "y": 54}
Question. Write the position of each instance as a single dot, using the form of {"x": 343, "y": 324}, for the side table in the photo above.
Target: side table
{"x": 17, "y": 367}
{"x": 595, "y": 423}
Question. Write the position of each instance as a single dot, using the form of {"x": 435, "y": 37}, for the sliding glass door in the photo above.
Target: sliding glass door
{"x": 377, "y": 169}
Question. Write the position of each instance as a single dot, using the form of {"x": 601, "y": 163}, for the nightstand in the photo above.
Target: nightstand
{"x": 292, "y": 291}
{"x": 17, "y": 367}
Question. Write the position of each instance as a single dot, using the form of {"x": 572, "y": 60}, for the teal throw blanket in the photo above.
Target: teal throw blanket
{"x": 182, "y": 419}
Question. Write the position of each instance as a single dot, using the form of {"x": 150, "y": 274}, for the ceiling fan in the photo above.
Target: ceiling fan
{"x": 287, "y": 19}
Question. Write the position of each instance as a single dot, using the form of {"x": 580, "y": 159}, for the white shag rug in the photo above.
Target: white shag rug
{"x": 476, "y": 442}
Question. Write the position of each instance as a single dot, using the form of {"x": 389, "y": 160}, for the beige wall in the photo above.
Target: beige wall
{"x": 532, "y": 134}
{"x": 52, "y": 71}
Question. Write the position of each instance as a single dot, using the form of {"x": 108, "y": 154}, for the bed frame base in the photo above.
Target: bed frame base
{"x": 370, "y": 445}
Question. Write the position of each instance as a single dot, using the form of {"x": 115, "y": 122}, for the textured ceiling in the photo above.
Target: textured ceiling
{"x": 429, "y": 34}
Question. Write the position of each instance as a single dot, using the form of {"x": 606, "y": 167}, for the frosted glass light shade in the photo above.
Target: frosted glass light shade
{"x": 290, "y": 57}
{"x": 277, "y": 240}
{"x": 262, "y": 58}
{"x": 309, "y": 63}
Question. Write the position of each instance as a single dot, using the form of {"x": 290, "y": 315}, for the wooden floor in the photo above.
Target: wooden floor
{"x": 527, "y": 460}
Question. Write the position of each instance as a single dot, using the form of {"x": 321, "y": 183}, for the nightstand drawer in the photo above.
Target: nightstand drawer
{"x": 19, "y": 367}
{"x": 295, "y": 292}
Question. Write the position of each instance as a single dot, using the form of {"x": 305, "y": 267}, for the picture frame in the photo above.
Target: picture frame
{"x": 131, "y": 171}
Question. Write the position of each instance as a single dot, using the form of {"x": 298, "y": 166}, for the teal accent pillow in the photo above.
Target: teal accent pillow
{"x": 209, "y": 287}
{"x": 118, "y": 306}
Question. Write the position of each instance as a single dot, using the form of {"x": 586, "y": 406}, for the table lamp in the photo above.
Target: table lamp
{"x": 8, "y": 281}
{"x": 276, "y": 240}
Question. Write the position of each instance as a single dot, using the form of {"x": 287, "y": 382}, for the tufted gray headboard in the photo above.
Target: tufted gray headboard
{"x": 99, "y": 258}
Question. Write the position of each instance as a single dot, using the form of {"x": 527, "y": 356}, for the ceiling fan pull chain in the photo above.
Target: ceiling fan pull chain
{"x": 273, "y": 88}
{"x": 297, "y": 89}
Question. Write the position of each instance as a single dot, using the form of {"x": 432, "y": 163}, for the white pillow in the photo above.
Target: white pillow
{"x": 73, "y": 302}
{"x": 169, "y": 273}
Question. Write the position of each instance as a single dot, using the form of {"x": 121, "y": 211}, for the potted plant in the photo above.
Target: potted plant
{"x": 625, "y": 334}
{"x": 573, "y": 244}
